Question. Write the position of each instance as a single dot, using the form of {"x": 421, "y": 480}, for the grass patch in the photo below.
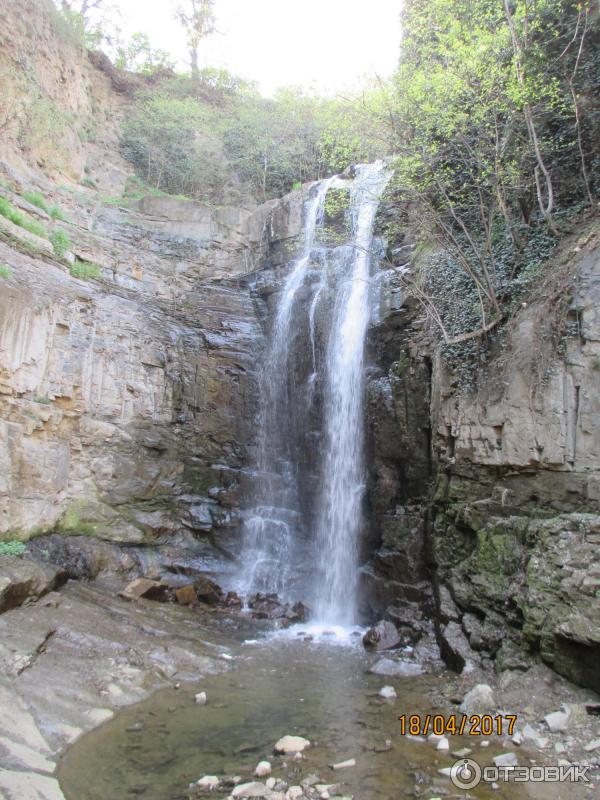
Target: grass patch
{"x": 11, "y": 213}
{"x": 37, "y": 199}
{"x": 5, "y": 271}
{"x": 14, "y": 549}
{"x": 60, "y": 242}
{"x": 85, "y": 269}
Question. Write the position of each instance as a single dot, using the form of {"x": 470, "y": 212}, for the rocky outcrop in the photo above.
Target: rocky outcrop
{"x": 128, "y": 403}
{"x": 508, "y": 534}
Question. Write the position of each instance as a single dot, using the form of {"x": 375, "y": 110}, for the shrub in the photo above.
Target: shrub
{"x": 85, "y": 270}
{"x": 60, "y": 242}
{"x": 38, "y": 200}
{"x": 11, "y": 213}
{"x": 5, "y": 271}
{"x": 14, "y": 549}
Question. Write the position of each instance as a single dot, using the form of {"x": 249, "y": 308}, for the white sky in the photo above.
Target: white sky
{"x": 328, "y": 44}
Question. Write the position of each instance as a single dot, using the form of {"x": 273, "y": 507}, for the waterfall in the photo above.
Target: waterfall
{"x": 302, "y": 533}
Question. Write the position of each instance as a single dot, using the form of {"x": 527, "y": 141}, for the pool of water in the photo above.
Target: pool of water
{"x": 320, "y": 689}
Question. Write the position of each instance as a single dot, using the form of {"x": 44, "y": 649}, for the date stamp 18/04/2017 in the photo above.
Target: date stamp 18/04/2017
{"x": 457, "y": 724}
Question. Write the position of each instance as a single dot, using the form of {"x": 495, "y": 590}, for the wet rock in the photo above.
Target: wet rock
{"x": 288, "y": 745}
{"x": 186, "y": 596}
{"x": 201, "y": 698}
{"x": 389, "y": 668}
{"x": 388, "y": 693}
{"x": 145, "y": 588}
{"x": 207, "y": 591}
{"x": 268, "y": 606}
{"x": 479, "y": 700}
{"x": 263, "y": 769}
{"x": 22, "y": 580}
{"x": 294, "y": 792}
{"x": 443, "y": 744}
{"x": 383, "y": 636}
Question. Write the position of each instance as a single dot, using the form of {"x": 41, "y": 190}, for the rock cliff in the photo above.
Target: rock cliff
{"x": 509, "y": 532}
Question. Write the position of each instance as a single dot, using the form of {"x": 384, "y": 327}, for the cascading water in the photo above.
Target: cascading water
{"x": 343, "y": 478}
{"x": 307, "y": 519}
{"x": 269, "y": 526}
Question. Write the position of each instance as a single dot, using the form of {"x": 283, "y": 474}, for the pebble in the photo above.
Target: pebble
{"x": 291, "y": 744}
{"x": 443, "y": 744}
{"x": 201, "y": 698}
{"x": 297, "y": 756}
{"x": 484, "y": 743}
{"x": 294, "y": 792}
{"x": 263, "y": 768}
{"x": 434, "y": 737}
{"x": 351, "y": 762}
{"x": 271, "y": 783}
{"x": 388, "y": 693}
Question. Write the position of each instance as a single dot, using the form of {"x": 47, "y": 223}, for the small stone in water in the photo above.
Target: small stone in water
{"x": 291, "y": 744}
{"x": 506, "y": 760}
{"x": 297, "y": 756}
{"x": 351, "y": 762}
{"x": 263, "y": 768}
{"x": 443, "y": 744}
{"x": 388, "y": 693}
{"x": 462, "y": 753}
{"x": 201, "y": 698}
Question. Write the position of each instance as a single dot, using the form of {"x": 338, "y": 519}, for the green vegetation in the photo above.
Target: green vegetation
{"x": 5, "y": 271}
{"x": 37, "y": 199}
{"x": 18, "y": 218}
{"x": 60, "y": 242}
{"x": 13, "y": 548}
{"x": 496, "y": 109}
{"x": 85, "y": 270}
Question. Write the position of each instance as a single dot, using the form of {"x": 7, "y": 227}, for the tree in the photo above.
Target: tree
{"x": 138, "y": 55}
{"x": 198, "y": 19}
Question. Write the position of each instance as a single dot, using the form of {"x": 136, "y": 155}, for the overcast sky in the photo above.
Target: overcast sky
{"x": 328, "y": 44}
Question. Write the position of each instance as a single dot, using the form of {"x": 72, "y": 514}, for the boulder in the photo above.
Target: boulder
{"x": 22, "y": 580}
{"x": 145, "y": 588}
{"x": 384, "y": 636}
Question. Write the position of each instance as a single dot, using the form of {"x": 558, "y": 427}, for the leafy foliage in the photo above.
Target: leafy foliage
{"x": 13, "y": 549}
{"x": 5, "y": 271}
{"x": 494, "y": 113}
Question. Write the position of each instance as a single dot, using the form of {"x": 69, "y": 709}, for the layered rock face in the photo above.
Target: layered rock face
{"x": 510, "y": 534}
{"x": 128, "y": 403}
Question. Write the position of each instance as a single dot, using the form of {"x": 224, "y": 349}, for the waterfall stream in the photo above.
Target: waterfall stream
{"x": 302, "y": 531}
